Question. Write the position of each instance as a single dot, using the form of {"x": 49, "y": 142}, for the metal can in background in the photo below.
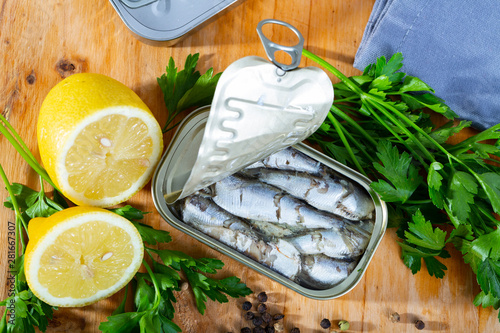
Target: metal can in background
{"x": 167, "y": 20}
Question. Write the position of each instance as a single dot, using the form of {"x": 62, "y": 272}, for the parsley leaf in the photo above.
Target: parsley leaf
{"x": 398, "y": 170}
{"x": 412, "y": 83}
{"x": 491, "y": 185}
{"x": 186, "y": 88}
{"x": 488, "y": 277}
{"x": 422, "y": 241}
{"x": 461, "y": 191}
{"x": 421, "y": 233}
{"x": 129, "y": 212}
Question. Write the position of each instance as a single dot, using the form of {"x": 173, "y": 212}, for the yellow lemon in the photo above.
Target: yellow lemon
{"x": 98, "y": 141}
{"x": 81, "y": 255}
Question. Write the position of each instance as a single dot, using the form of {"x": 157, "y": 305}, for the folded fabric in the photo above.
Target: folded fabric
{"x": 452, "y": 45}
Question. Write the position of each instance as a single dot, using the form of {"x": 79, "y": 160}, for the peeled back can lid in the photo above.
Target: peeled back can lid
{"x": 258, "y": 109}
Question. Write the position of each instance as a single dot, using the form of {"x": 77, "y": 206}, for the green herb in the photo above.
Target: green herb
{"x": 154, "y": 290}
{"x": 186, "y": 89}
{"x": 426, "y": 181}
{"x": 154, "y": 295}
{"x": 26, "y": 310}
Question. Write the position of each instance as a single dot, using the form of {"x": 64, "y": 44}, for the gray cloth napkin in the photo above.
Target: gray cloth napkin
{"x": 452, "y": 45}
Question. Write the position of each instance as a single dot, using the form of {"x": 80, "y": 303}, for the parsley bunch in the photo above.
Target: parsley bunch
{"x": 427, "y": 182}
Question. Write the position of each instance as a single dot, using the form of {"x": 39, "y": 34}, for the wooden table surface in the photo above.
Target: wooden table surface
{"x": 44, "y": 41}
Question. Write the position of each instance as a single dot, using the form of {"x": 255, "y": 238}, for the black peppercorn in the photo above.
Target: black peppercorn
{"x": 246, "y": 306}
{"x": 246, "y": 330}
{"x": 262, "y": 308}
{"x": 266, "y": 317}
{"x": 420, "y": 325}
{"x": 257, "y": 321}
{"x": 249, "y": 315}
{"x": 278, "y": 316}
{"x": 325, "y": 323}
{"x": 295, "y": 330}
{"x": 259, "y": 329}
{"x": 270, "y": 329}
{"x": 262, "y": 297}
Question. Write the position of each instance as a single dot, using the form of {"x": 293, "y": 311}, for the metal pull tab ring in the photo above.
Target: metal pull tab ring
{"x": 295, "y": 51}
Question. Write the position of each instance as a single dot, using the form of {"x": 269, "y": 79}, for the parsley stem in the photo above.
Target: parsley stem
{"x": 353, "y": 123}
{"x": 351, "y": 85}
{"x": 9, "y": 127}
{"x": 356, "y": 141}
{"x": 418, "y": 202}
{"x": 396, "y": 135}
{"x": 155, "y": 284}
{"x": 21, "y": 148}
{"x": 165, "y": 129}
{"x": 467, "y": 144}
{"x": 17, "y": 213}
{"x": 347, "y": 99}
{"x": 488, "y": 215}
{"x": 384, "y": 108}
{"x": 340, "y": 132}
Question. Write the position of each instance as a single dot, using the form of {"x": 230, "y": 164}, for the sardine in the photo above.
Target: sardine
{"x": 280, "y": 256}
{"x": 322, "y": 272}
{"x": 197, "y": 209}
{"x": 251, "y": 199}
{"x": 205, "y": 216}
{"x": 331, "y": 243}
{"x": 290, "y": 159}
{"x": 357, "y": 205}
{"x": 328, "y": 193}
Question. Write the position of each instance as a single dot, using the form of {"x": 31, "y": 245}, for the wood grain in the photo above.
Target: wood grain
{"x": 41, "y": 42}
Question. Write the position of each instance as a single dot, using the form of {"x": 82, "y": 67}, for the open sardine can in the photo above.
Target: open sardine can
{"x": 259, "y": 108}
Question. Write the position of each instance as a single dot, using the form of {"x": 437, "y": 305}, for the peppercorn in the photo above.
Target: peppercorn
{"x": 295, "y": 330}
{"x": 257, "y": 321}
{"x": 259, "y": 329}
{"x": 325, "y": 323}
{"x": 266, "y": 317}
{"x": 270, "y": 329}
{"x": 278, "y": 316}
{"x": 262, "y": 308}
{"x": 395, "y": 318}
{"x": 344, "y": 325}
{"x": 249, "y": 315}
{"x": 420, "y": 325}
{"x": 246, "y": 306}
{"x": 262, "y": 297}
{"x": 246, "y": 330}
{"x": 278, "y": 326}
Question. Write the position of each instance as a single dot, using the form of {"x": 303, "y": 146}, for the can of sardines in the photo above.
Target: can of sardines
{"x": 297, "y": 216}
{"x": 238, "y": 177}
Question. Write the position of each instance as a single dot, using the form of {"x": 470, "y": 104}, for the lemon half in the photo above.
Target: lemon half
{"x": 81, "y": 255}
{"x": 98, "y": 141}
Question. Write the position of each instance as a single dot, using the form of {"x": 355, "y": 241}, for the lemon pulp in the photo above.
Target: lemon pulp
{"x": 109, "y": 156}
{"x": 85, "y": 259}
{"x": 81, "y": 255}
